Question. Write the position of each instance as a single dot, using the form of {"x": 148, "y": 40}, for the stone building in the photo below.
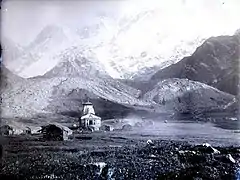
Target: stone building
{"x": 89, "y": 120}
{"x": 55, "y": 132}
{"x": 6, "y": 130}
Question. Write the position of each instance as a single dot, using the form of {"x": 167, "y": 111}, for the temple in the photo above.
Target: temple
{"x": 89, "y": 120}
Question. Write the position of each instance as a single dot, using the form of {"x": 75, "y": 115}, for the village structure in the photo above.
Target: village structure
{"x": 6, "y": 130}
{"x": 89, "y": 120}
{"x": 55, "y": 132}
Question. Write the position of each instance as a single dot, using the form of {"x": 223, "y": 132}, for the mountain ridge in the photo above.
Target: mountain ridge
{"x": 40, "y": 95}
{"x": 215, "y": 63}
{"x": 186, "y": 96}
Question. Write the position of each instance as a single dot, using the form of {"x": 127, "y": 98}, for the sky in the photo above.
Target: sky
{"x": 22, "y": 20}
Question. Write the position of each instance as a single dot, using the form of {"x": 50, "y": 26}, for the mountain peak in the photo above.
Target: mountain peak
{"x": 72, "y": 62}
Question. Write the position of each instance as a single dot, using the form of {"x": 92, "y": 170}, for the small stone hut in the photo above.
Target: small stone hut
{"x": 56, "y": 132}
{"x": 106, "y": 127}
{"x": 6, "y": 130}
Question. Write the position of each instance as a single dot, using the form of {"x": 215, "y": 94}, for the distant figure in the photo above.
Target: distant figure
{"x": 179, "y": 99}
{"x": 163, "y": 102}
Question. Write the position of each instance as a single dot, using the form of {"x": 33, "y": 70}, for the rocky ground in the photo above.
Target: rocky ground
{"x": 114, "y": 156}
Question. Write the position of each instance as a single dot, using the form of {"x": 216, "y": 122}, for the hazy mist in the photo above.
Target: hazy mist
{"x": 22, "y": 20}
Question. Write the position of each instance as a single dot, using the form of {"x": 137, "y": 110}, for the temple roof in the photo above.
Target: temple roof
{"x": 90, "y": 116}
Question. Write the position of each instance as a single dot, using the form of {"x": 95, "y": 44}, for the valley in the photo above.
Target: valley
{"x": 176, "y": 153}
{"x": 166, "y": 101}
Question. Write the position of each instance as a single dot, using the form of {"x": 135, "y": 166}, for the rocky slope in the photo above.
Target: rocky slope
{"x": 7, "y": 79}
{"x": 186, "y": 96}
{"x": 215, "y": 63}
{"x": 60, "y": 90}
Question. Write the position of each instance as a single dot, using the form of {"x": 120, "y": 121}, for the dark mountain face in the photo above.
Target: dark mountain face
{"x": 215, "y": 63}
{"x": 70, "y": 104}
{"x": 7, "y": 78}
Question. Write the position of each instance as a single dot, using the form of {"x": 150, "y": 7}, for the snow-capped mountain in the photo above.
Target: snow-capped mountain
{"x": 74, "y": 63}
{"x": 62, "y": 90}
{"x": 48, "y": 37}
{"x": 130, "y": 46}
{"x": 39, "y": 55}
{"x": 216, "y": 63}
{"x": 138, "y": 44}
{"x": 188, "y": 96}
